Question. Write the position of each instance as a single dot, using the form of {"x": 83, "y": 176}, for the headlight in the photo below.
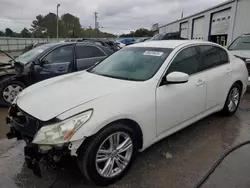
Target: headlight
{"x": 62, "y": 131}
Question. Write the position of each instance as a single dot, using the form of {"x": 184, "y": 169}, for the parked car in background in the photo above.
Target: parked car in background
{"x": 141, "y": 40}
{"x": 45, "y": 62}
{"x": 127, "y": 41}
{"x": 103, "y": 42}
{"x": 240, "y": 47}
{"x": 168, "y": 36}
{"x": 121, "y": 45}
{"x": 34, "y": 45}
{"x": 129, "y": 101}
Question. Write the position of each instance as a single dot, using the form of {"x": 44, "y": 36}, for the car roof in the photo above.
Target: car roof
{"x": 168, "y": 43}
{"x": 65, "y": 43}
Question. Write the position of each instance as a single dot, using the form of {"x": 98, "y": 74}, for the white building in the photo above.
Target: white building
{"x": 221, "y": 24}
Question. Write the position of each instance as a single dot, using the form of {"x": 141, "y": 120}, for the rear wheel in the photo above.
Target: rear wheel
{"x": 106, "y": 157}
{"x": 233, "y": 100}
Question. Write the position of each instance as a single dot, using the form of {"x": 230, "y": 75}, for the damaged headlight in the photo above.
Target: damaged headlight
{"x": 62, "y": 131}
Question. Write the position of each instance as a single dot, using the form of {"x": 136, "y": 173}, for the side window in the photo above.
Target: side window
{"x": 213, "y": 56}
{"x": 88, "y": 52}
{"x": 59, "y": 55}
{"x": 186, "y": 61}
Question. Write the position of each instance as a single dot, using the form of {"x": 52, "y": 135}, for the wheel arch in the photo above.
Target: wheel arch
{"x": 240, "y": 83}
{"x": 125, "y": 121}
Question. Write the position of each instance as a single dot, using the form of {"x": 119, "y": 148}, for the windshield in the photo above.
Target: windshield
{"x": 241, "y": 43}
{"x": 31, "y": 54}
{"x": 135, "y": 63}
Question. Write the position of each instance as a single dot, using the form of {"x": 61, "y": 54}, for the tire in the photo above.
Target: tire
{"x": 235, "y": 90}
{"x": 87, "y": 155}
{"x": 6, "y": 89}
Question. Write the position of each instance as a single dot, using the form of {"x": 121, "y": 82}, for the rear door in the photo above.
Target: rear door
{"x": 218, "y": 72}
{"x": 57, "y": 62}
{"x": 88, "y": 55}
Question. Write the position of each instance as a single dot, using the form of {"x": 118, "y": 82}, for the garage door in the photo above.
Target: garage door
{"x": 220, "y": 22}
{"x": 184, "y": 30}
{"x": 198, "y": 31}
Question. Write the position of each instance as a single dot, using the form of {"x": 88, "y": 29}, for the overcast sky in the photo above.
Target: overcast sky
{"x": 116, "y": 16}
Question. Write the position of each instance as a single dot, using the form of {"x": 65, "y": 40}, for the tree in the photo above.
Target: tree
{"x": 71, "y": 25}
{"x": 139, "y": 33}
{"x": 143, "y": 33}
{"x": 49, "y": 23}
{"x": 1, "y": 33}
{"x": 44, "y": 26}
{"x": 8, "y": 32}
{"x": 25, "y": 33}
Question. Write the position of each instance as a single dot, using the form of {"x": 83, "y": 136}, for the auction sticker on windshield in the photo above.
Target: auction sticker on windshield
{"x": 153, "y": 53}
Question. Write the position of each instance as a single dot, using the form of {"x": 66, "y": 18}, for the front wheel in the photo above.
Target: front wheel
{"x": 10, "y": 90}
{"x": 106, "y": 157}
{"x": 232, "y": 101}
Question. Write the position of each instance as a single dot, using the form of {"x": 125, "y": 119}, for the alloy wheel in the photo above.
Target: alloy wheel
{"x": 114, "y": 154}
{"x": 10, "y": 92}
{"x": 233, "y": 99}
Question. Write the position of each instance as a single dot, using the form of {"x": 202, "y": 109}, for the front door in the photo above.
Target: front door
{"x": 55, "y": 63}
{"x": 178, "y": 103}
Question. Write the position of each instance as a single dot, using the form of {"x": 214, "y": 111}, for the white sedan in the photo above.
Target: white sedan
{"x": 124, "y": 104}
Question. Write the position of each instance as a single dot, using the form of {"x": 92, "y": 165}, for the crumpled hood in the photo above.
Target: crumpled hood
{"x": 241, "y": 53}
{"x": 47, "y": 99}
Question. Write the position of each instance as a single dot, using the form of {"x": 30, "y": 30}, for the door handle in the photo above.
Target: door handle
{"x": 229, "y": 71}
{"x": 61, "y": 69}
{"x": 200, "y": 83}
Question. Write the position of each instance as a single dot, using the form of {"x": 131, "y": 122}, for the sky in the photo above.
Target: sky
{"x": 115, "y": 16}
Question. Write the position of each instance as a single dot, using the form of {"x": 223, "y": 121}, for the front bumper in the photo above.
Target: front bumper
{"x": 38, "y": 160}
{"x": 37, "y": 157}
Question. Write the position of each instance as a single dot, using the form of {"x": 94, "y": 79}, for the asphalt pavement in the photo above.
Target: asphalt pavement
{"x": 178, "y": 161}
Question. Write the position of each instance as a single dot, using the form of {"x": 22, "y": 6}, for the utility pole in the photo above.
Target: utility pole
{"x": 58, "y": 5}
{"x": 96, "y": 24}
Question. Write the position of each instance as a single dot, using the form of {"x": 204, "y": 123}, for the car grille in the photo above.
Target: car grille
{"x": 25, "y": 123}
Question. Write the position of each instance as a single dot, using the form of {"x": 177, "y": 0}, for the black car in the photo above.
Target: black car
{"x": 44, "y": 62}
{"x": 103, "y": 42}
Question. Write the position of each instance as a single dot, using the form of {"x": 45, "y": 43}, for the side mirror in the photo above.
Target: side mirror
{"x": 177, "y": 78}
{"x": 37, "y": 62}
{"x": 42, "y": 62}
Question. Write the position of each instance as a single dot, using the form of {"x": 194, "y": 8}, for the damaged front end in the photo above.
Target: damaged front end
{"x": 10, "y": 70}
{"x": 37, "y": 156}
